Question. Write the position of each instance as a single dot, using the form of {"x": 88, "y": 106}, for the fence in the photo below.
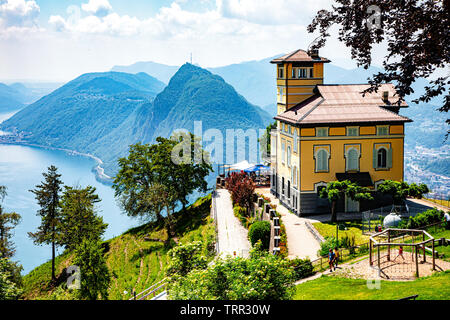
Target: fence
{"x": 320, "y": 264}
{"x": 371, "y": 218}
{"x": 439, "y": 198}
{"x": 214, "y": 216}
{"x": 151, "y": 292}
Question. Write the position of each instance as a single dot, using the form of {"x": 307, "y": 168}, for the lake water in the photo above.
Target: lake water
{"x": 21, "y": 169}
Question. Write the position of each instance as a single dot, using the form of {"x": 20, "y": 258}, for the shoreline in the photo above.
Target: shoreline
{"x": 97, "y": 169}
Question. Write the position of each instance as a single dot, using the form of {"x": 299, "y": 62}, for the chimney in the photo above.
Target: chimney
{"x": 314, "y": 53}
{"x": 385, "y": 96}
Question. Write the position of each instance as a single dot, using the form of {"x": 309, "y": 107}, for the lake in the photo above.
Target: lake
{"x": 21, "y": 169}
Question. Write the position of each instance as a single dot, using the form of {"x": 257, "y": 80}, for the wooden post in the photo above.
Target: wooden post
{"x": 424, "y": 255}
{"x": 389, "y": 247}
{"x": 432, "y": 248}
{"x": 417, "y": 262}
{"x": 370, "y": 252}
{"x": 379, "y": 262}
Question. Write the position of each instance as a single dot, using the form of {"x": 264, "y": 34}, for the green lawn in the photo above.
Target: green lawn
{"x": 436, "y": 287}
{"x": 353, "y": 228}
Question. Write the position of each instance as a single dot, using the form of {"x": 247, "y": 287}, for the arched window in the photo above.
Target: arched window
{"x": 352, "y": 160}
{"x": 322, "y": 160}
{"x": 382, "y": 158}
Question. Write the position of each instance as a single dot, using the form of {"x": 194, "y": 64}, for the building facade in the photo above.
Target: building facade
{"x": 331, "y": 133}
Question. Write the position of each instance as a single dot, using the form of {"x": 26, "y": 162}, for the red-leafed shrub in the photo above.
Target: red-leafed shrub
{"x": 241, "y": 188}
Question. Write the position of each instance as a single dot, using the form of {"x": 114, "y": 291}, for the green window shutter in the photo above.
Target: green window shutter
{"x": 375, "y": 158}
{"x": 389, "y": 158}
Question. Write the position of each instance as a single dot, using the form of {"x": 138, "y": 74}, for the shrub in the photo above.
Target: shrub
{"x": 261, "y": 277}
{"x": 185, "y": 258}
{"x": 422, "y": 219}
{"x": 303, "y": 268}
{"x": 325, "y": 246}
{"x": 260, "y": 230}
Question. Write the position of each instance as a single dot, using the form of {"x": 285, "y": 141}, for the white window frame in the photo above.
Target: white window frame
{"x": 283, "y": 151}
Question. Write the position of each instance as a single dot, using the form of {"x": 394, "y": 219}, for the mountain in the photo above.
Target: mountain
{"x": 160, "y": 71}
{"x": 103, "y": 113}
{"x": 252, "y": 79}
{"x": 10, "y": 99}
{"x": 193, "y": 94}
{"x": 85, "y": 109}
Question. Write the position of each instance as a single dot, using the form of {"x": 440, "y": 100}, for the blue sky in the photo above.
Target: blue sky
{"x": 57, "y": 40}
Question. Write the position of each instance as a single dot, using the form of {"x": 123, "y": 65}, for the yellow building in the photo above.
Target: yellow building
{"x": 331, "y": 132}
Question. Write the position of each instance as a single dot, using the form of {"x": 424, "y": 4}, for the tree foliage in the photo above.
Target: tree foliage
{"x": 78, "y": 217}
{"x": 47, "y": 195}
{"x": 263, "y": 276}
{"x": 400, "y": 190}
{"x": 260, "y": 231}
{"x": 416, "y": 33}
{"x": 150, "y": 179}
{"x": 242, "y": 189}
{"x": 95, "y": 277}
{"x": 9, "y": 286}
{"x": 335, "y": 190}
{"x": 185, "y": 258}
{"x": 8, "y": 221}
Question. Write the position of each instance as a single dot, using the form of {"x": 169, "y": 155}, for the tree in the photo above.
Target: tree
{"x": 8, "y": 221}
{"x": 9, "y": 287}
{"x": 95, "y": 277}
{"x": 265, "y": 139}
{"x": 263, "y": 276}
{"x": 48, "y": 194}
{"x": 417, "y": 37}
{"x": 184, "y": 258}
{"x": 149, "y": 169}
{"x": 242, "y": 189}
{"x": 335, "y": 190}
{"x": 400, "y": 190}
{"x": 79, "y": 220}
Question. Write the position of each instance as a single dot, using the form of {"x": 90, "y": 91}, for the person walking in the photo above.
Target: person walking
{"x": 331, "y": 259}
{"x": 400, "y": 253}
{"x": 336, "y": 257}
{"x": 447, "y": 220}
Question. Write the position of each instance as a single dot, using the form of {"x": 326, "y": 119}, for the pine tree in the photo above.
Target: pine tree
{"x": 95, "y": 277}
{"x": 78, "y": 217}
{"x": 47, "y": 195}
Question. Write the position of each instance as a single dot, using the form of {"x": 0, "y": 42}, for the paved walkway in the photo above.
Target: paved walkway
{"x": 426, "y": 204}
{"x": 301, "y": 242}
{"x": 232, "y": 235}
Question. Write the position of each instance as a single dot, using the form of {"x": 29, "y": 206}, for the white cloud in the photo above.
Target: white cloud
{"x": 271, "y": 12}
{"x": 17, "y": 16}
{"x": 99, "y": 8}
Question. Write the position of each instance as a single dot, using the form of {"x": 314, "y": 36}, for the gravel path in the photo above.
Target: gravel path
{"x": 232, "y": 235}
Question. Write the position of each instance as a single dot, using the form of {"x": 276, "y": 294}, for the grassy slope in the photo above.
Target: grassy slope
{"x": 436, "y": 287}
{"x": 134, "y": 262}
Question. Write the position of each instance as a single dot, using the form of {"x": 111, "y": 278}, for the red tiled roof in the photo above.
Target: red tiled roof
{"x": 344, "y": 104}
{"x": 299, "y": 56}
